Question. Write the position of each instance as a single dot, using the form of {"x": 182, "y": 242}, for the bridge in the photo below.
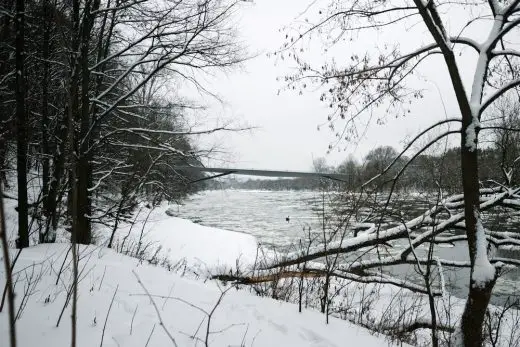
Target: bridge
{"x": 220, "y": 172}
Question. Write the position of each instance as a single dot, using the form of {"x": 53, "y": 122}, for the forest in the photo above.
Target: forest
{"x": 105, "y": 106}
{"x": 89, "y": 107}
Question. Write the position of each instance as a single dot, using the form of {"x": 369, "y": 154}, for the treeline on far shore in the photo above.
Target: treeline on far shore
{"x": 425, "y": 173}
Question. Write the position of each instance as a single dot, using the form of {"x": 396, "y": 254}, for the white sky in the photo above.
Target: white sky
{"x": 287, "y": 137}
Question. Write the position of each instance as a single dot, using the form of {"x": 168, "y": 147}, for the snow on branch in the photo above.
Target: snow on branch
{"x": 422, "y": 225}
{"x": 181, "y": 133}
{"x": 415, "y": 325}
{"x": 317, "y": 271}
{"x": 497, "y": 94}
{"x": 505, "y": 52}
{"x": 482, "y": 271}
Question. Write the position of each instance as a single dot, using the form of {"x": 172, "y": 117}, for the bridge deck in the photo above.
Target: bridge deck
{"x": 266, "y": 173}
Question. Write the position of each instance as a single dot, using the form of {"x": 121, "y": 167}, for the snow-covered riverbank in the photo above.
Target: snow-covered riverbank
{"x": 192, "y": 253}
{"x": 180, "y": 240}
{"x": 241, "y": 319}
{"x": 134, "y": 317}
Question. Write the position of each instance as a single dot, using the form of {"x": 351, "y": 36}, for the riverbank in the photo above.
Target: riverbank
{"x": 184, "y": 250}
{"x": 125, "y": 303}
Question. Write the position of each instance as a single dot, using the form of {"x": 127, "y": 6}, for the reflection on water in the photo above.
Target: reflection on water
{"x": 263, "y": 214}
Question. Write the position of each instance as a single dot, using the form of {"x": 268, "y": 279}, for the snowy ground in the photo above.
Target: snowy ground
{"x": 240, "y": 320}
{"x": 154, "y": 231}
{"x": 179, "y": 240}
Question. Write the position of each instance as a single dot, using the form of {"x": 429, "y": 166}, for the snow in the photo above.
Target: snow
{"x": 471, "y": 133}
{"x": 240, "y": 320}
{"x": 479, "y": 78}
{"x": 196, "y": 245}
{"x": 245, "y": 320}
{"x": 482, "y": 64}
{"x": 457, "y": 339}
{"x": 483, "y": 271}
{"x": 441, "y": 275}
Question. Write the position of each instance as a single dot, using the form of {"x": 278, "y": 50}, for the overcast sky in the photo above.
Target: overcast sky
{"x": 287, "y": 137}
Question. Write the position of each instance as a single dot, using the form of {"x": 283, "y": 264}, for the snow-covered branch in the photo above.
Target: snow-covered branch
{"x": 421, "y": 225}
{"x": 497, "y": 94}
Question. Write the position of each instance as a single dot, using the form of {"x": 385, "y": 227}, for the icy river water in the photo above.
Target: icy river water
{"x": 263, "y": 214}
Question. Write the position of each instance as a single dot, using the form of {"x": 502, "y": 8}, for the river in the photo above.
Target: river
{"x": 279, "y": 219}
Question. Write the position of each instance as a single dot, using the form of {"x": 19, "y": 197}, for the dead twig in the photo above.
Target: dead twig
{"x": 132, "y": 322}
{"x": 172, "y": 339}
{"x": 150, "y": 336}
{"x": 108, "y": 313}
{"x": 5, "y": 287}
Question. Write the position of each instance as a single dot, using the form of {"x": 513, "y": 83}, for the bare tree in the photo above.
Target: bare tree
{"x": 506, "y": 138}
{"x": 98, "y": 107}
{"x": 175, "y": 40}
{"x": 369, "y": 81}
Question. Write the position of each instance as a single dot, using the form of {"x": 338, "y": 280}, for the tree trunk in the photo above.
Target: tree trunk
{"x": 83, "y": 203}
{"x": 5, "y": 22}
{"x": 72, "y": 117}
{"x": 473, "y": 317}
{"x": 124, "y": 197}
{"x": 53, "y": 196}
{"x": 84, "y": 162}
{"x": 8, "y": 275}
{"x": 478, "y": 298}
{"x": 21, "y": 149}
{"x": 45, "y": 127}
